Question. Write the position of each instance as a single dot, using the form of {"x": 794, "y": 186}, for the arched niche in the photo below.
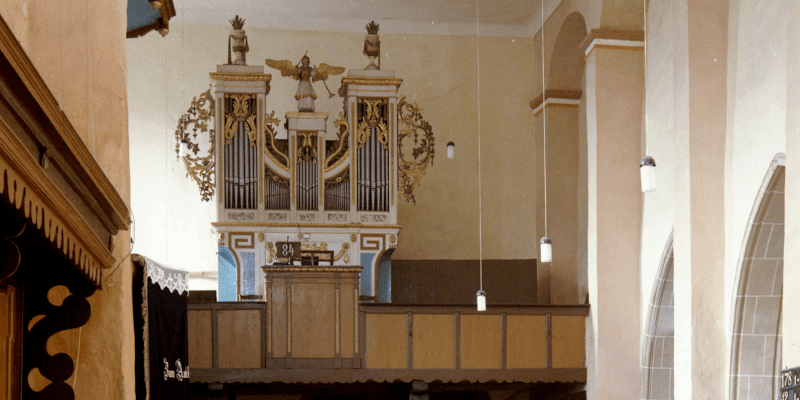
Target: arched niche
{"x": 568, "y": 59}
{"x": 558, "y": 114}
{"x": 658, "y": 377}
{"x": 756, "y": 341}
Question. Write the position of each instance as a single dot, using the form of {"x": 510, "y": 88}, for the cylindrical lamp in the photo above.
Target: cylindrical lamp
{"x": 451, "y": 150}
{"x": 545, "y": 250}
{"x": 183, "y": 150}
{"x": 647, "y": 168}
{"x": 481, "y": 300}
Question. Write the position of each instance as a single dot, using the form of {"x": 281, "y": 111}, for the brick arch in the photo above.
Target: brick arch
{"x": 756, "y": 340}
{"x": 657, "y": 370}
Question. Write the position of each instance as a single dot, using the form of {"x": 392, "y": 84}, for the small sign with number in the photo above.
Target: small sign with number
{"x": 288, "y": 249}
{"x": 790, "y": 384}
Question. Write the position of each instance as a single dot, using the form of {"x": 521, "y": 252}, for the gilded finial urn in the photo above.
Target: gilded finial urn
{"x": 372, "y": 45}
{"x": 239, "y": 44}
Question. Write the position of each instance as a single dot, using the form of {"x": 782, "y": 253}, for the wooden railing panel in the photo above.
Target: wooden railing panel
{"x": 239, "y": 338}
{"x": 348, "y": 297}
{"x": 277, "y": 310}
{"x": 313, "y": 320}
{"x": 481, "y": 337}
{"x": 433, "y": 341}
{"x": 387, "y": 341}
{"x": 568, "y": 341}
{"x": 199, "y": 333}
{"x": 526, "y": 341}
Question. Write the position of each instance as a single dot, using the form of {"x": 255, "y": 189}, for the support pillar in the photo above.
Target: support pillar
{"x": 614, "y": 96}
{"x": 700, "y": 117}
{"x": 791, "y": 249}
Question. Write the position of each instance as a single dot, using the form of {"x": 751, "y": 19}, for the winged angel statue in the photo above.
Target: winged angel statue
{"x": 306, "y": 74}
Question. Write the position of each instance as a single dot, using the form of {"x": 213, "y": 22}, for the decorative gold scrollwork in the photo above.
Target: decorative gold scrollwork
{"x": 412, "y": 172}
{"x": 200, "y": 169}
{"x": 342, "y": 176}
{"x": 271, "y": 147}
{"x": 338, "y": 155}
{"x": 240, "y": 108}
{"x": 372, "y": 116}
{"x": 307, "y": 146}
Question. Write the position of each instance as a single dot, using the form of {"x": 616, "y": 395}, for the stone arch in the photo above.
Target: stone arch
{"x": 756, "y": 340}
{"x": 568, "y": 61}
{"x": 657, "y": 370}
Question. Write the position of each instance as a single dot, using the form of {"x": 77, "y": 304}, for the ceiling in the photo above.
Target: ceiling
{"x": 503, "y": 18}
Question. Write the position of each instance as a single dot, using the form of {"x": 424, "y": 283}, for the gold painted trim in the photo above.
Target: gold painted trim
{"x": 372, "y": 81}
{"x": 220, "y": 136}
{"x": 306, "y": 114}
{"x": 298, "y": 225}
{"x": 295, "y": 268}
{"x": 338, "y": 318}
{"x": 216, "y": 76}
{"x": 339, "y": 162}
{"x": 104, "y": 191}
{"x": 236, "y": 87}
{"x": 355, "y": 319}
{"x": 288, "y": 318}
{"x": 292, "y": 154}
{"x": 391, "y": 150}
{"x": 260, "y": 163}
{"x": 353, "y": 154}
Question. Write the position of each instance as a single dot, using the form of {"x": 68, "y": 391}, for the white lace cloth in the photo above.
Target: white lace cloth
{"x": 175, "y": 280}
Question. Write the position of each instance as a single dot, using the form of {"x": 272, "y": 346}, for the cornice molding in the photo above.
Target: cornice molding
{"x": 373, "y": 81}
{"x": 219, "y": 76}
{"x": 612, "y": 39}
{"x": 556, "y": 94}
{"x": 297, "y": 225}
{"x": 26, "y": 187}
{"x": 296, "y": 268}
{"x": 63, "y": 130}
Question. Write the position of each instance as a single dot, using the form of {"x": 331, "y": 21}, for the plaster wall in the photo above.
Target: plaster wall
{"x": 755, "y": 131}
{"x": 79, "y": 50}
{"x": 440, "y": 74}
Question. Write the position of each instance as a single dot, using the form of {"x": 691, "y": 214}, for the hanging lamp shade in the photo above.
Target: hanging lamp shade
{"x": 481, "y": 300}
{"x": 451, "y": 150}
{"x": 183, "y": 150}
{"x": 647, "y": 168}
{"x": 545, "y": 250}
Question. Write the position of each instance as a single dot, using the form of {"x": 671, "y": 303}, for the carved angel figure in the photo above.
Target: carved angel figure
{"x": 306, "y": 74}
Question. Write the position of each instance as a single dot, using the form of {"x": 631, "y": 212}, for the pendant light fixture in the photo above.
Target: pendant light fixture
{"x": 647, "y": 166}
{"x": 183, "y": 149}
{"x": 481, "y": 296}
{"x": 545, "y": 245}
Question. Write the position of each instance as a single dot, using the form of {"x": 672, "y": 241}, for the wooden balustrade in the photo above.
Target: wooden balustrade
{"x": 230, "y": 342}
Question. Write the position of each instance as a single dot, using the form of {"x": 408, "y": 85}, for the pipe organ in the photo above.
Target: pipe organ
{"x": 333, "y": 185}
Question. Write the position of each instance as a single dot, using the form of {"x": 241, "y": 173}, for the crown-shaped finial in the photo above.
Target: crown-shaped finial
{"x": 372, "y": 28}
{"x": 237, "y": 22}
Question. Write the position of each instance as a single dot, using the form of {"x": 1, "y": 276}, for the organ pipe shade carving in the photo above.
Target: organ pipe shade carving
{"x": 241, "y": 156}
{"x": 307, "y": 184}
{"x": 200, "y": 169}
{"x": 275, "y": 149}
{"x": 337, "y": 192}
{"x": 337, "y": 151}
{"x": 413, "y": 166}
{"x": 372, "y": 155}
{"x": 277, "y": 190}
